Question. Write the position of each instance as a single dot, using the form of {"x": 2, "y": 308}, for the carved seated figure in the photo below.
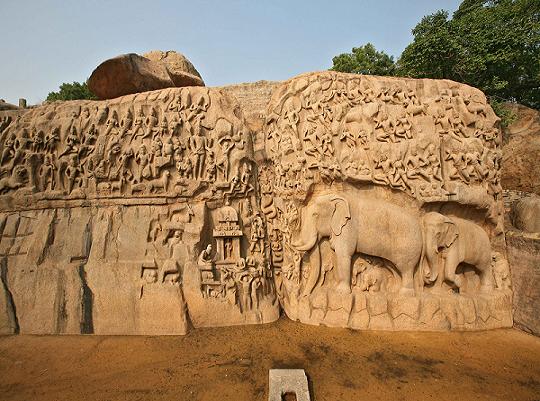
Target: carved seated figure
{"x": 206, "y": 261}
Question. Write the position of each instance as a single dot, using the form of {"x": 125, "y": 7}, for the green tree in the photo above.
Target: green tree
{"x": 365, "y": 60}
{"x": 74, "y": 91}
{"x": 490, "y": 44}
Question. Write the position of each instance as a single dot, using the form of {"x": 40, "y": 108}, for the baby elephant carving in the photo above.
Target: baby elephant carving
{"x": 449, "y": 241}
{"x": 372, "y": 278}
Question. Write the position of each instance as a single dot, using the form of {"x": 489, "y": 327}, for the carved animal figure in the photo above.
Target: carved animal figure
{"x": 372, "y": 277}
{"x": 369, "y": 226}
{"x": 449, "y": 241}
{"x": 18, "y": 179}
{"x": 159, "y": 183}
{"x": 373, "y": 280}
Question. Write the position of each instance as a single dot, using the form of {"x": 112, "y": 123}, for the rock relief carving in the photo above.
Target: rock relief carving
{"x": 376, "y": 204}
{"x": 383, "y": 189}
{"x": 174, "y": 143}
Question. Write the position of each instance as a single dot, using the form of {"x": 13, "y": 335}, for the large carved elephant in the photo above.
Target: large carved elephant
{"x": 368, "y": 226}
{"x": 450, "y": 241}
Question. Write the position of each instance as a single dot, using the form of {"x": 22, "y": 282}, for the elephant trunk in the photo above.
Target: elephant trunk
{"x": 314, "y": 271}
{"x": 430, "y": 259}
{"x": 307, "y": 236}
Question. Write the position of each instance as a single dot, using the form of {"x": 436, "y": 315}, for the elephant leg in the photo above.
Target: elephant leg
{"x": 343, "y": 273}
{"x": 407, "y": 281}
{"x": 450, "y": 271}
{"x": 486, "y": 277}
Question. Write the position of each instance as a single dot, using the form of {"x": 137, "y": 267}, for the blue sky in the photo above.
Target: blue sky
{"x": 47, "y": 42}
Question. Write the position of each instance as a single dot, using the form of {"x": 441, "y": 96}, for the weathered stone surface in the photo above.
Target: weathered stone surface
{"x": 130, "y": 73}
{"x": 368, "y": 181}
{"x": 352, "y": 201}
{"x": 526, "y": 214}
{"x": 524, "y": 259}
{"x": 521, "y": 147}
{"x": 7, "y": 106}
{"x": 106, "y": 221}
{"x": 181, "y": 70}
{"x": 253, "y": 98}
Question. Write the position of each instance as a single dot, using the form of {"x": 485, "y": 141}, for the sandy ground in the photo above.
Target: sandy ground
{"x": 232, "y": 364}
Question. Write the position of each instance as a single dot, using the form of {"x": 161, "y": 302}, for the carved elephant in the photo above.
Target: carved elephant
{"x": 450, "y": 241}
{"x": 372, "y": 227}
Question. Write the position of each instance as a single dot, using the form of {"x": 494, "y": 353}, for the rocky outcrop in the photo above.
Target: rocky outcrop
{"x": 373, "y": 182}
{"x": 521, "y": 150}
{"x": 7, "y": 106}
{"x": 105, "y": 222}
{"x": 526, "y": 214}
{"x": 524, "y": 259}
{"x": 130, "y": 73}
{"x": 181, "y": 70}
{"x": 346, "y": 200}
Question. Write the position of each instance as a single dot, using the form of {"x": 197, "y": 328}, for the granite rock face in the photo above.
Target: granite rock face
{"x": 383, "y": 200}
{"x": 523, "y": 247}
{"x": 524, "y": 259}
{"x": 130, "y": 73}
{"x": 181, "y": 70}
{"x": 521, "y": 150}
{"x": 526, "y": 214}
{"x": 346, "y": 200}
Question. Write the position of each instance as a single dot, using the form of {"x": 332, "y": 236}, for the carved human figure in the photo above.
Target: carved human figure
{"x": 245, "y": 282}
{"x": 433, "y": 163}
{"x": 52, "y": 139}
{"x": 384, "y": 127}
{"x": 383, "y": 169}
{"x": 73, "y": 173}
{"x": 198, "y": 145}
{"x": 211, "y": 168}
{"x": 9, "y": 148}
{"x": 205, "y": 257}
{"x": 255, "y": 285}
{"x": 230, "y": 286}
{"x": 222, "y": 161}
{"x": 245, "y": 178}
{"x": 47, "y": 173}
{"x": 257, "y": 234}
{"x": 143, "y": 159}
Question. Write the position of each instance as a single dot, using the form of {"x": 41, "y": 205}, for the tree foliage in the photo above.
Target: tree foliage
{"x": 493, "y": 45}
{"x": 365, "y": 60}
{"x": 74, "y": 91}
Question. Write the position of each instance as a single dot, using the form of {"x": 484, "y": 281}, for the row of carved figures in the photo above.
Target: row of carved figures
{"x": 36, "y": 160}
{"x": 416, "y": 169}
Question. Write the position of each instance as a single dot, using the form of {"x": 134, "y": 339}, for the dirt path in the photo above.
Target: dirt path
{"x": 232, "y": 364}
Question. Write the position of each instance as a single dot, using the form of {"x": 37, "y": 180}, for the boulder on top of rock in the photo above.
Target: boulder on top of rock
{"x": 181, "y": 70}
{"x": 130, "y": 73}
{"x": 7, "y": 106}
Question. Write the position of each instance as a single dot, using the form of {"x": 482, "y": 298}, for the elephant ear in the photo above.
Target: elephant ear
{"x": 448, "y": 234}
{"x": 340, "y": 215}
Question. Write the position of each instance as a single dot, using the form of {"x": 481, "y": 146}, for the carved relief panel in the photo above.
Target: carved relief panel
{"x": 385, "y": 198}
